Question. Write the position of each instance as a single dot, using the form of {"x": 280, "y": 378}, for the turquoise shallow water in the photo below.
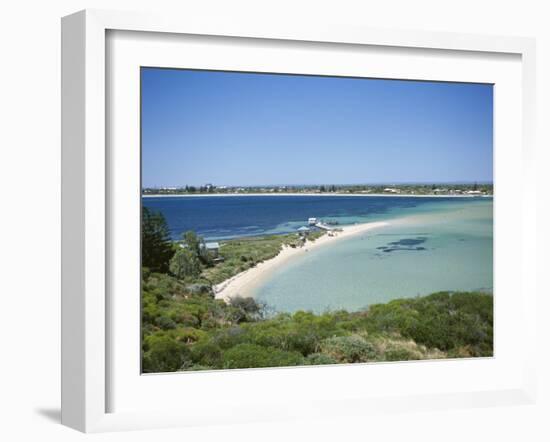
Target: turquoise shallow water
{"x": 432, "y": 247}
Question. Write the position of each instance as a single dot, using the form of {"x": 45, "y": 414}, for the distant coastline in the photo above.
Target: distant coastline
{"x": 335, "y": 194}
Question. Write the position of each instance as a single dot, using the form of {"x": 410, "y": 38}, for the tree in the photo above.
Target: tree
{"x": 156, "y": 247}
{"x": 185, "y": 264}
{"x": 322, "y": 189}
{"x": 192, "y": 242}
{"x": 197, "y": 245}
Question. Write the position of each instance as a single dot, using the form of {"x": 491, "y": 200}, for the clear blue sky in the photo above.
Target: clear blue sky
{"x": 248, "y": 129}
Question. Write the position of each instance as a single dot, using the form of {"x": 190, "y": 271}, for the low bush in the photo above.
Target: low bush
{"x": 199, "y": 289}
{"x": 207, "y": 353}
{"x": 349, "y": 349}
{"x": 164, "y": 353}
{"x": 255, "y": 356}
{"x": 320, "y": 359}
{"x": 443, "y": 320}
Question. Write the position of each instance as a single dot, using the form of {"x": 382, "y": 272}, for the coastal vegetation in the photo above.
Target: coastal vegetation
{"x": 189, "y": 260}
{"x": 156, "y": 248}
{"x": 185, "y": 328}
{"x": 243, "y": 253}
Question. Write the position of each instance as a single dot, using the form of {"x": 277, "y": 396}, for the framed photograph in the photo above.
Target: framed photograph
{"x": 280, "y": 222}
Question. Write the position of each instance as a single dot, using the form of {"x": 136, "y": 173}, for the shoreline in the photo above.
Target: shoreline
{"x": 398, "y": 195}
{"x": 242, "y": 284}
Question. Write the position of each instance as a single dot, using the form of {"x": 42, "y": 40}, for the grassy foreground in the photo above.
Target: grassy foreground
{"x": 185, "y": 328}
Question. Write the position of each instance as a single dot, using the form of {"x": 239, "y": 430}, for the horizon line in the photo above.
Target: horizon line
{"x": 384, "y": 183}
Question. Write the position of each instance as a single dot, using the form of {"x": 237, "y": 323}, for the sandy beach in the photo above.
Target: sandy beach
{"x": 244, "y": 283}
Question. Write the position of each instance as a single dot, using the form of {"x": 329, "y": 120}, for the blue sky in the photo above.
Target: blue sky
{"x": 226, "y": 128}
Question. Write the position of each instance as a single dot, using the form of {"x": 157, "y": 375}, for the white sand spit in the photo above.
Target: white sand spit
{"x": 244, "y": 283}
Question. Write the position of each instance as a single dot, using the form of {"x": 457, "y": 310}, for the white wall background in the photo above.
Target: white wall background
{"x": 30, "y": 214}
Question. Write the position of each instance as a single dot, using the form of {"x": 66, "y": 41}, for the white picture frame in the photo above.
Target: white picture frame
{"x": 86, "y": 206}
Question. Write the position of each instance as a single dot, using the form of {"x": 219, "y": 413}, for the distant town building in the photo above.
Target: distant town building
{"x": 312, "y": 221}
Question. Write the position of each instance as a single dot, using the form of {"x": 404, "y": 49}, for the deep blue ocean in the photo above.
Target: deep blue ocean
{"x": 225, "y": 217}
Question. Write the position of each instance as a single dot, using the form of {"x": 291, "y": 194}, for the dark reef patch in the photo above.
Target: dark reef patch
{"x": 404, "y": 244}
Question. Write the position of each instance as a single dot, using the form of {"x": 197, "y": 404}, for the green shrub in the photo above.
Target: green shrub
{"x": 393, "y": 347}
{"x": 320, "y": 359}
{"x": 207, "y": 353}
{"x": 187, "y": 319}
{"x": 445, "y": 321}
{"x": 165, "y": 322}
{"x": 284, "y": 333}
{"x": 248, "y": 305}
{"x": 245, "y": 309}
{"x": 348, "y": 349}
{"x": 188, "y": 335}
{"x": 198, "y": 289}
{"x": 252, "y": 356}
{"x": 149, "y": 309}
{"x": 229, "y": 337}
{"x": 185, "y": 264}
{"x": 164, "y": 354}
